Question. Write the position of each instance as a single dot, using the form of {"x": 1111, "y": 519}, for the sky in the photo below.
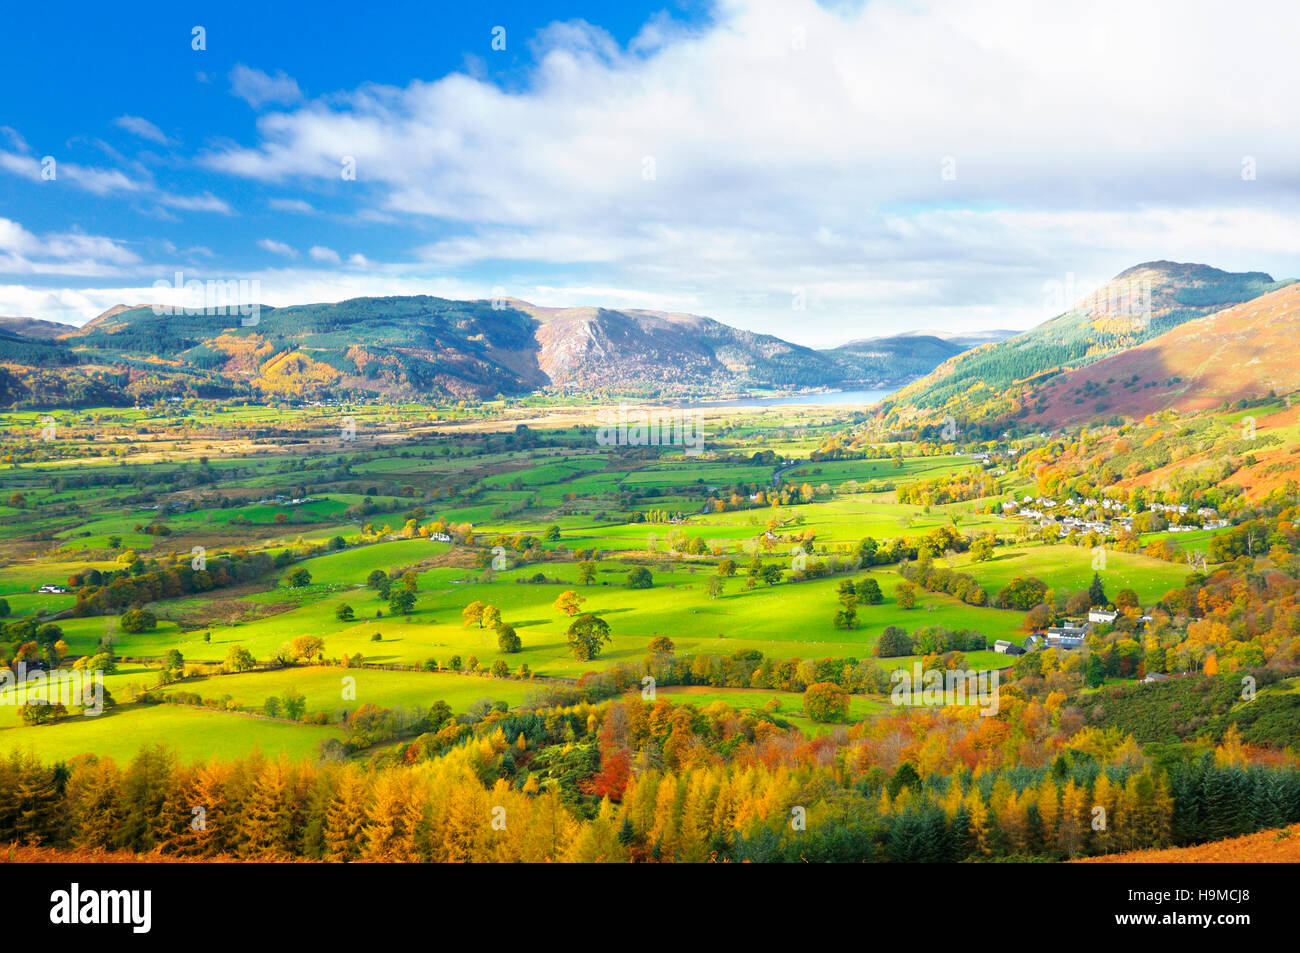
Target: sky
{"x": 822, "y": 172}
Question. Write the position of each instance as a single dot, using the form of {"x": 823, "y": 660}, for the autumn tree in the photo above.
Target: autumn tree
{"x": 473, "y": 614}
{"x": 568, "y": 602}
{"x": 826, "y": 702}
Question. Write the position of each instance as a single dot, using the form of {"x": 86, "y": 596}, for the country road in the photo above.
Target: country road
{"x": 782, "y": 471}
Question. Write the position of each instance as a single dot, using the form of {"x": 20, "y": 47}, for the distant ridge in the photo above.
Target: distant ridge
{"x": 419, "y": 346}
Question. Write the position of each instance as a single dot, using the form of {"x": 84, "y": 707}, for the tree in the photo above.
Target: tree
{"x": 551, "y": 534}
{"x": 905, "y": 595}
{"x": 377, "y": 578}
{"x": 727, "y": 567}
{"x": 1096, "y": 591}
{"x": 826, "y": 702}
{"x": 663, "y": 645}
{"x": 1127, "y": 599}
{"x": 4, "y": 609}
{"x": 771, "y": 574}
{"x": 401, "y": 602}
{"x": 343, "y": 612}
{"x": 1095, "y": 677}
{"x": 239, "y": 659}
{"x": 410, "y": 581}
{"x": 981, "y": 551}
{"x": 306, "y": 646}
{"x": 846, "y": 618}
{"x": 500, "y": 669}
{"x": 1022, "y": 593}
{"x": 294, "y": 703}
{"x": 868, "y": 591}
{"x": 508, "y": 640}
{"x": 716, "y": 586}
{"x": 586, "y": 572}
{"x": 298, "y": 578}
{"x": 568, "y": 602}
{"x": 640, "y": 578}
{"x": 588, "y": 634}
{"x": 491, "y": 617}
{"x": 894, "y": 642}
{"x": 473, "y": 614}
{"x": 138, "y": 620}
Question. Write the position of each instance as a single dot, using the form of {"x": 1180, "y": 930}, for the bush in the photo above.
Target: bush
{"x": 508, "y": 640}
{"x": 640, "y": 578}
{"x": 138, "y": 620}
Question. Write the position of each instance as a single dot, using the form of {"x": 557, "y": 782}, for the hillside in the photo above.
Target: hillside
{"x": 1263, "y": 847}
{"x": 1141, "y": 303}
{"x": 35, "y": 327}
{"x": 421, "y": 346}
{"x": 1242, "y": 352}
{"x": 888, "y": 358}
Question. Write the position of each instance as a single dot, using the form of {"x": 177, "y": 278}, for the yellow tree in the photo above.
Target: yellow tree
{"x": 569, "y": 602}
{"x": 345, "y": 817}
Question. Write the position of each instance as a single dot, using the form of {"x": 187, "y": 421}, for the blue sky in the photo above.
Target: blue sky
{"x": 819, "y": 172}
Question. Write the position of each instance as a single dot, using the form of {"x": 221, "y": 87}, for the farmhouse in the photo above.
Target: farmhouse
{"x": 1007, "y": 648}
{"x": 1103, "y": 616}
{"x": 1068, "y": 636}
{"x": 52, "y": 589}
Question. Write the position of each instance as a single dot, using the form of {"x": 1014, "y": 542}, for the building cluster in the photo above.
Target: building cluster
{"x": 1070, "y": 634}
{"x": 1116, "y": 517}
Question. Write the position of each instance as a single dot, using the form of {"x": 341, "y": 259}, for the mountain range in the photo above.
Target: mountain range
{"x": 1160, "y": 334}
{"x": 422, "y": 346}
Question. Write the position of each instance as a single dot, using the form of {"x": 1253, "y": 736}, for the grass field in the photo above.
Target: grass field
{"x": 219, "y": 465}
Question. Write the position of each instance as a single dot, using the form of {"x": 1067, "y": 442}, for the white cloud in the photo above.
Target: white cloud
{"x": 62, "y": 254}
{"x": 143, "y": 128}
{"x": 207, "y": 202}
{"x": 291, "y": 205}
{"x": 276, "y": 248}
{"x": 258, "y": 88}
{"x": 727, "y": 165}
{"x": 796, "y": 147}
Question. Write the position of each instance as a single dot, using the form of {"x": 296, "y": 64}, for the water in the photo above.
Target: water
{"x": 836, "y": 397}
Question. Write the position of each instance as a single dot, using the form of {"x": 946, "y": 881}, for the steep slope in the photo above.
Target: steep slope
{"x": 601, "y": 347}
{"x": 1137, "y": 305}
{"x": 1242, "y": 352}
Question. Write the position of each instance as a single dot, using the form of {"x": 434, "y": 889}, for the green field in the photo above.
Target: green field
{"x": 206, "y": 474}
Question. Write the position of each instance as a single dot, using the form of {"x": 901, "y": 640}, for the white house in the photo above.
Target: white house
{"x": 1104, "y": 616}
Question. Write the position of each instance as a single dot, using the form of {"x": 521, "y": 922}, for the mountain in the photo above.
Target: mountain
{"x": 966, "y": 340}
{"x": 1241, "y": 352}
{"x": 422, "y": 346}
{"x": 991, "y": 382}
{"x": 35, "y": 327}
{"x": 870, "y": 360}
{"x": 634, "y": 349}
